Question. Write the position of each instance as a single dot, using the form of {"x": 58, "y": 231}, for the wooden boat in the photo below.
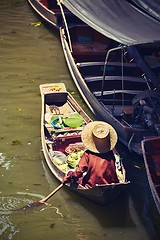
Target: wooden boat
{"x": 151, "y": 153}
{"x": 58, "y": 143}
{"x": 51, "y": 13}
{"x": 120, "y": 88}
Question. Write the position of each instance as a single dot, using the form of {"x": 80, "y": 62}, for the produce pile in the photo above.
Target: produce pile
{"x": 70, "y": 160}
{"x": 74, "y": 157}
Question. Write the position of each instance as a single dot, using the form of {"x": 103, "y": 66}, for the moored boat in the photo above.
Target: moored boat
{"x": 62, "y": 121}
{"x": 116, "y": 69}
{"x": 151, "y": 154}
{"x": 122, "y": 94}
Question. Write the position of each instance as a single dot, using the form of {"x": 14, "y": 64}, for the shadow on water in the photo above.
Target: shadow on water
{"x": 114, "y": 215}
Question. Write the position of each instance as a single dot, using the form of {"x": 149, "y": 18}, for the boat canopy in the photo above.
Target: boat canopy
{"x": 129, "y": 22}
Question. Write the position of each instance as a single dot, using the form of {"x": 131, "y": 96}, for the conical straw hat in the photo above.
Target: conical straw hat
{"x": 99, "y": 137}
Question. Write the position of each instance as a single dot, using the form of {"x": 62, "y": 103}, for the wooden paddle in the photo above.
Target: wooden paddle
{"x": 36, "y": 204}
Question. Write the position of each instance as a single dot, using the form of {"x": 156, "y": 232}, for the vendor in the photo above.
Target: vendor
{"x": 97, "y": 165}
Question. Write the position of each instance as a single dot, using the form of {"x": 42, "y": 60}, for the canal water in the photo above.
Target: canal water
{"x": 30, "y": 55}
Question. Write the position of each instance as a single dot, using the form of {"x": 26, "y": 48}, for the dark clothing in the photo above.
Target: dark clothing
{"x": 95, "y": 169}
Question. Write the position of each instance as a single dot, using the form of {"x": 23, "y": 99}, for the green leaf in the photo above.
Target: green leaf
{"x": 72, "y": 120}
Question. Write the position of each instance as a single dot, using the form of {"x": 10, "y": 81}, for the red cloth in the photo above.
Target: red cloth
{"x": 98, "y": 169}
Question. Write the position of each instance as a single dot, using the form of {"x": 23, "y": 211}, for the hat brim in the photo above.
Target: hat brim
{"x": 88, "y": 141}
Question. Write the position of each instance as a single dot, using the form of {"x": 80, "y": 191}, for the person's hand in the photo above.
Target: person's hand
{"x": 66, "y": 179}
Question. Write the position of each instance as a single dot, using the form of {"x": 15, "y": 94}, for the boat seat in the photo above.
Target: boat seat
{"x": 117, "y": 78}
{"x": 132, "y": 92}
{"x": 90, "y": 68}
{"x": 86, "y": 64}
{"x": 89, "y": 64}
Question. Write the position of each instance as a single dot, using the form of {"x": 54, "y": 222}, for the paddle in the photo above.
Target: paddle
{"x": 36, "y": 204}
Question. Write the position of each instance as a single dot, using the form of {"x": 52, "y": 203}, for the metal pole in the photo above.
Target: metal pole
{"x": 105, "y": 64}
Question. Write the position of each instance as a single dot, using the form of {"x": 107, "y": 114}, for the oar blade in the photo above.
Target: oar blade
{"x": 30, "y": 206}
{"x": 36, "y": 204}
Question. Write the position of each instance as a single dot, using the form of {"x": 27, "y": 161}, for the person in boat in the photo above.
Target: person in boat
{"x": 97, "y": 164}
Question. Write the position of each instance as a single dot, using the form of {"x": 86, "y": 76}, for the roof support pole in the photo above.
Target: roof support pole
{"x": 105, "y": 64}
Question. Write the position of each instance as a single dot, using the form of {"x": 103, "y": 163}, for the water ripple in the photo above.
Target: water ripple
{"x": 9, "y": 204}
{"x": 5, "y": 164}
{"x": 7, "y": 228}
{"x": 23, "y": 201}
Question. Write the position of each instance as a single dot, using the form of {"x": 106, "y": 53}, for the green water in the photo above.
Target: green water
{"x": 30, "y": 56}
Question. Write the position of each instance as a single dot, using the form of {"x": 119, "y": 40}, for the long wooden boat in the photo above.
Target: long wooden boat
{"x": 51, "y": 13}
{"x": 121, "y": 87}
{"x": 116, "y": 82}
{"x": 60, "y": 141}
{"x": 151, "y": 153}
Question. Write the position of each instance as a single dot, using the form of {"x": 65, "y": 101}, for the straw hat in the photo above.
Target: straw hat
{"x": 99, "y": 137}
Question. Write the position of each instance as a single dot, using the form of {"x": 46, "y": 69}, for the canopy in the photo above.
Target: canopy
{"x": 129, "y": 22}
